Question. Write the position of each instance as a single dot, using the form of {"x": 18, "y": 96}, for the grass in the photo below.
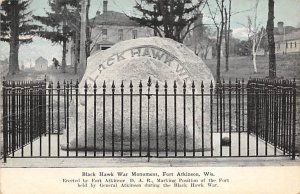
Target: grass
{"x": 288, "y": 67}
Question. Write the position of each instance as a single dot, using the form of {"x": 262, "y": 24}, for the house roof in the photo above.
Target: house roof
{"x": 287, "y": 29}
{"x": 105, "y": 42}
{"x": 113, "y": 18}
{"x": 294, "y": 35}
{"x": 41, "y": 59}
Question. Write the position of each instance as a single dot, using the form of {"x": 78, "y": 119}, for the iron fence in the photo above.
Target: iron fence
{"x": 272, "y": 112}
{"x": 153, "y": 119}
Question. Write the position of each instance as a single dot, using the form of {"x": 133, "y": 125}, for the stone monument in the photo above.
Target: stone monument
{"x": 164, "y": 61}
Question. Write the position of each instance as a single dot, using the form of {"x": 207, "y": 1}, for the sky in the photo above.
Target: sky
{"x": 287, "y": 11}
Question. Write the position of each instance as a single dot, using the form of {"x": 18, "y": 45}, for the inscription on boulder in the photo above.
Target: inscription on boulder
{"x": 125, "y": 122}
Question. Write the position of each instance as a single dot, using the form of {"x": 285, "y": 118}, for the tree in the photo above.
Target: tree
{"x": 227, "y": 35}
{"x": 168, "y": 18}
{"x": 60, "y": 24}
{"x": 271, "y": 42}
{"x": 16, "y": 28}
{"x": 255, "y": 35}
{"x": 219, "y": 23}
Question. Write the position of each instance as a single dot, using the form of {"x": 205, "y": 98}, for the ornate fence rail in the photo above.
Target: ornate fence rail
{"x": 150, "y": 119}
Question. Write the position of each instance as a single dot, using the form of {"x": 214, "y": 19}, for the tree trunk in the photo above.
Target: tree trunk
{"x": 64, "y": 53}
{"x": 76, "y": 52}
{"x": 270, "y": 28}
{"x": 88, "y": 33}
{"x": 254, "y": 61}
{"x": 219, "y": 44}
{"x": 226, "y": 42}
{"x": 228, "y": 37}
{"x": 82, "y": 53}
{"x": 14, "y": 39}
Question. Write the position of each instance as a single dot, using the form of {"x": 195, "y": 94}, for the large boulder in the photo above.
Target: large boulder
{"x": 164, "y": 61}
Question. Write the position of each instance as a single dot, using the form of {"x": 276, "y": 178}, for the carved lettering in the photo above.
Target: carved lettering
{"x": 158, "y": 54}
{"x": 168, "y": 60}
{"x": 135, "y": 52}
{"x": 110, "y": 61}
{"x": 120, "y": 56}
{"x": 146, "y": 52}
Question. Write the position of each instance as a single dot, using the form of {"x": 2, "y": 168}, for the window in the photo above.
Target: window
{"x": 134, "y": 34}
{"x": 104, "y": 34}
{"x": 120, "y": 34}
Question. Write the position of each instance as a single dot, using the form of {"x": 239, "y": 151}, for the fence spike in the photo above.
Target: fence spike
{"x": 85, "y": 85}
{"x": 122, "y": 84}
{"x": 64, "y": 82}
{"x": 113, "y": 85}
{"x": 58, "y": 85}
{"x": 193, "y": 84}
{"x": 140, "y": 84}
{"x": 156, "y": 85}
{"x": 149, "y": 81}
{"x": 95, "y": 85}
{"x": 211, "y": 84}
{"x": 175, "y": 85}
{"x": 77, "y": 84}
{"x": 184, "y": 84}
{"x": 166, "y": 84}
{"x": 68, "y": 84}
{"x": 104, "y": 85}
{"x": 202, "y": 84}
{"x": 130, "y": 85}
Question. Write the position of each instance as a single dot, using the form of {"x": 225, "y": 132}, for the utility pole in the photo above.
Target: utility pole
{"x": 82, "y": 63}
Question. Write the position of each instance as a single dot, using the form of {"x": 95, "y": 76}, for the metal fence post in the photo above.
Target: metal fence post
{"x": 294, "y": 121}
{"x": 5, "y": 115}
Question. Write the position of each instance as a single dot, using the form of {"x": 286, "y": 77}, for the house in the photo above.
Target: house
{"x": 111, "y": 27}
{"x": 287, "y": 39}
{"x": 41, "y": 64}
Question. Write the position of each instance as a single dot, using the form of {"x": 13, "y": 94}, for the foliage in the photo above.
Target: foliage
{"x": 16, "y": 28}
{"x": 168, "y": 18}
{"x": 26, "y": 28}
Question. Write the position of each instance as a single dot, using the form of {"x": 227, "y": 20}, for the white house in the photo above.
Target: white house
{"x": 41, "y": 64}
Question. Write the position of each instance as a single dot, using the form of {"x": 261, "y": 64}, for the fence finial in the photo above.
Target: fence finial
{"x": 149, "y": 82}
{"x": 175, "y": 85}
{"x": 85, "y": 85}
{"x": 130, "y": 85}
{"x": 58, "y": 85}
{"x": 193, "y": 84}
{"x": 113, "y": 85}
{"x": 156, "y": 85}
{"x": 166, "y": 84}
{"x": 95, "y": 85}
{"x": 141, "y": 85}
{"x": 184, "y": 84}
{"x": 104, "y": 85}
{"x": 77, "y": 84}
{"x": 122, "y": 84}
{"x": 202, "y": 84}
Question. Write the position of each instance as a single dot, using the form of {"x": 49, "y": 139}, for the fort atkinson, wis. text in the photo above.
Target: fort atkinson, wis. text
{"x": 147, "y": 179}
